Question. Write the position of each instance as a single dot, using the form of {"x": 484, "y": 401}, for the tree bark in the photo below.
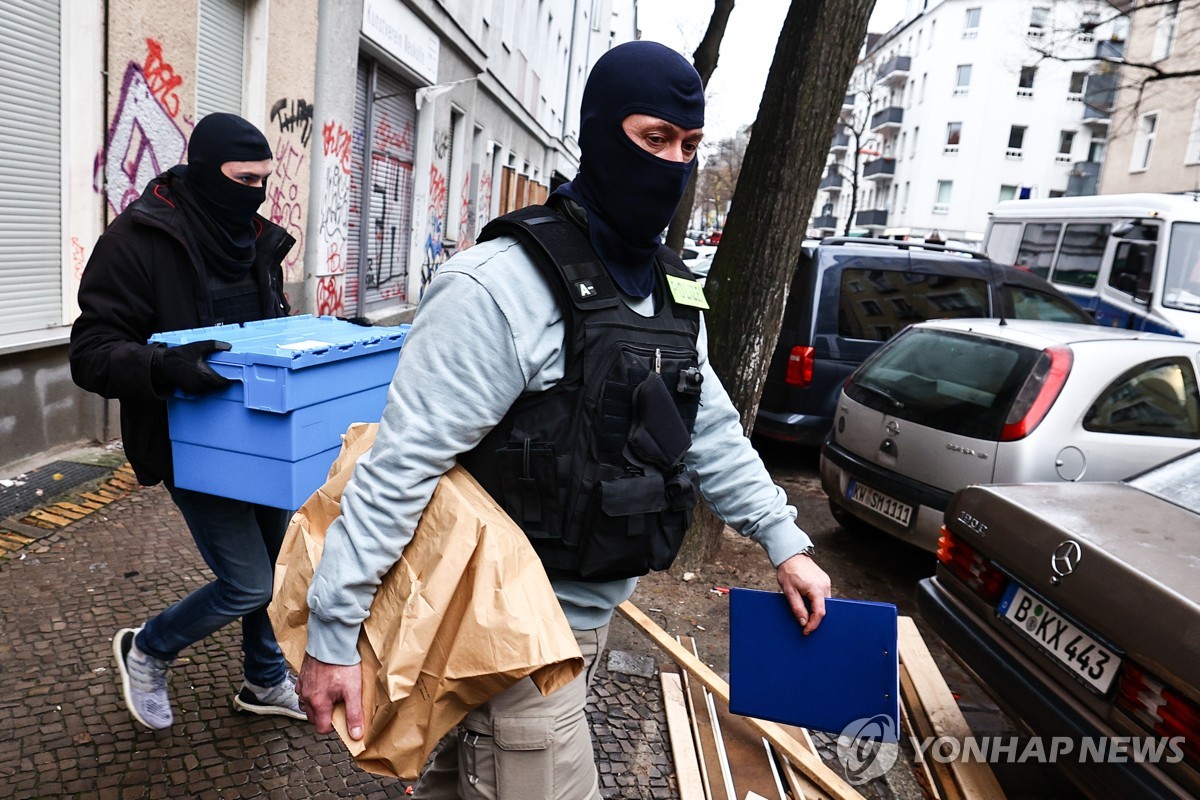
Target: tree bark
{"x": 747, "y": 285}
{"x": 705, "y": 62}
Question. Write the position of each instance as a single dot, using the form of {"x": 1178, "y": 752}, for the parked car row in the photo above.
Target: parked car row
{"x": 973, "y": 409}
{"x": 952, "y": 403}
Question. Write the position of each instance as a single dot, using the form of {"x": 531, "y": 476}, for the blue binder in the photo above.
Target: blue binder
{"x": 843, "y": 677}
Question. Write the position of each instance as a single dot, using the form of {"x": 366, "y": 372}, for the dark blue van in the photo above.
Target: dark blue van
{"x": 849, "y": 296}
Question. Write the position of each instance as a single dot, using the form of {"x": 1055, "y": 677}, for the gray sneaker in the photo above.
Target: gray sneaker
{"x": 279, "y": 699}
{"x": 143, "y": 682}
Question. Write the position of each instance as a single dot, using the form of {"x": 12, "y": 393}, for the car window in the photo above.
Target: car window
{"x": 1156, "y": 398}
{"x": 953, "y": 382}
{"x": 1133, "y": 268}
{"x": 1031, "y": 304}
{"x": 1081, "y": 253}
{"x": 1037, "y": 247}
{"x": 876, "y": 304}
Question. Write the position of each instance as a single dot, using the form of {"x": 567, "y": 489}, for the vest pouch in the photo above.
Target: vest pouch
{"x": 529, "y": 487}
{"x": 675, "y": 520}
{"x": 624, "y": 518}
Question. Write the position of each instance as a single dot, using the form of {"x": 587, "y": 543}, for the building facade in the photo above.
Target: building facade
{"x": 399, "y": 127}
{"x": 1154, "y": 144}
{"x": 955, "y": 109}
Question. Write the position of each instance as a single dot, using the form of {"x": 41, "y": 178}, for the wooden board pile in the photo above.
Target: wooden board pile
{"x": 722, "y": 756}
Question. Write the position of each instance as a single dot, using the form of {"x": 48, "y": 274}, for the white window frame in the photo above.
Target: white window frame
{"x": 1016, "y": 153}
{"x": 941, "y": 205}
{"x": 1064, "y": 157}
{"x": 1165, "y": 32}
{"x": 971, "y": 31}
{"x": 1076, "y": 97}
{"x": 950, "y": 148}
{"x": 1192, "y": 154}
{"x": 1011, "y": 194}
{"x": 1026, "y": 91}
{"x": 959, "y": 87}
{"x": 1037, "y": 27}
{"x": 1143, "y": 142}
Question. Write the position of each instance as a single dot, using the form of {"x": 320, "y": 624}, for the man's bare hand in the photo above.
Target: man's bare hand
{"x": 801, "y": 579}
{"x": 322, "y": 685}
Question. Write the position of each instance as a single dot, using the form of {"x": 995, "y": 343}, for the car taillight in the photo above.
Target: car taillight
{"x": 965, "y": 563}
{"x": 1038, "y": 394}
{"x": 1160, "y": 708}
{"x": 800, "y": 366}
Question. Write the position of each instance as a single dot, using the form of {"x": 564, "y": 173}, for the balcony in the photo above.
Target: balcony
{"x": 1084, "y": 179}
{"x": 825, "y": 222}
{"x": 880, "y": 169}
{"x": 1099, "y": 96}
{"x": 894, "y": 71}
{"x": 841, "y": 141}
{"x": 832, "y": 182}
{"x": 887, "y": 119}
{"x": 872, "y": 218}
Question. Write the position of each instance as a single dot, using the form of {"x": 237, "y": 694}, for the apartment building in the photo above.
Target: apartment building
{"x": 1154, "y": 143}
{"x": 954, "y": 109}
{"x": 399, "y": 128}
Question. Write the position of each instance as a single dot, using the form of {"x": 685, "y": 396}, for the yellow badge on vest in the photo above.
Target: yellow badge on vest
{"x": 687, "y": 293}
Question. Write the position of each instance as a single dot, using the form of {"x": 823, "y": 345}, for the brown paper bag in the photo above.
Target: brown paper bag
{"x": 465, "y": 613}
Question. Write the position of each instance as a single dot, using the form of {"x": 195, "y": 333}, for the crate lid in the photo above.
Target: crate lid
{"x": 292, "y": 342}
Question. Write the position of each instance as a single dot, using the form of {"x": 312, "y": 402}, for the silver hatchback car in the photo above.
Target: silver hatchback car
{"x": 951, "y": 403}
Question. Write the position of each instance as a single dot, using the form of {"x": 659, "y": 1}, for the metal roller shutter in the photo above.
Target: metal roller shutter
{"x": 220, "y": 56}
{"x": 392, "y": 132}
{"x": 30, "y": 166}
{"x": 354, "y": 243}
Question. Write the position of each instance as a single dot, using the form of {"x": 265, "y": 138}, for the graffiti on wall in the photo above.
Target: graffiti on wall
{"x": 293, "y": 115}
{"x": 161, "y": 78}
{"x": 388, "y": 138}
{"x": 334, "y": 230}
{"x": 329, "y": 295}
{"x": 435, "y": 251}
{"x": 483, "y": 203}
{"x": 466, "y": 214}
{"x": 388, "y": 257}
{"x": 143, "y": 140}
{"x": 78, "y": 258}
{"x": 284, "y": 206}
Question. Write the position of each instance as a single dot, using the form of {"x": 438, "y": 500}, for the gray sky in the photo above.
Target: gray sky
{"x": 746, "y": 51}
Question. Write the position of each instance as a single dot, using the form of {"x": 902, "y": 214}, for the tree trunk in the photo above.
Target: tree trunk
{"x": 705, "y": 62}
{"x": 747, "y": 285}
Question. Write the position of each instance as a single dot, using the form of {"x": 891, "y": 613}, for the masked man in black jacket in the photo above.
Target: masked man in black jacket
{"x": 190, "y": 252}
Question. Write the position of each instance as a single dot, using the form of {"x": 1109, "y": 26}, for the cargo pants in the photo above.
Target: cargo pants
{"x": 520, "y": 745}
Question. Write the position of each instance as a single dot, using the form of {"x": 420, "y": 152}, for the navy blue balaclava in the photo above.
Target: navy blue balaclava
{"x": 631, "y": 194}
{"x": 219, "y": 138}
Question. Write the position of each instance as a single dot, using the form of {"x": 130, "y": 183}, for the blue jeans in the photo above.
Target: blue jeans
{"x": 239, "y": 541}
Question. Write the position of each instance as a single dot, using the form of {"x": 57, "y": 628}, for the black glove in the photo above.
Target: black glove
{"x": 362, "y": 321}
{"x": 186, "y": 367}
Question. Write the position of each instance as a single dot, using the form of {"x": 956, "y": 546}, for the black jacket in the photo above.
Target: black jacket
{"x": 146, "y": 276}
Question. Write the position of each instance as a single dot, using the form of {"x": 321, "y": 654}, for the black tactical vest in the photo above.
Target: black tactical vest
{"x": 591, "y": 468}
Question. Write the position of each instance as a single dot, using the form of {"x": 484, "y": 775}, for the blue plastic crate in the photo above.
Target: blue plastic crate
{"x": 299, "y": 382}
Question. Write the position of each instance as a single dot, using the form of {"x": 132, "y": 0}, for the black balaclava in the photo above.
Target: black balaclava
{"x": 220, "y": 207}
{"x": 630, "y": 194}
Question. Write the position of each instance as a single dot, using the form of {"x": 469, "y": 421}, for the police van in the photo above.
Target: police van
{"x": 1131, "y": 260}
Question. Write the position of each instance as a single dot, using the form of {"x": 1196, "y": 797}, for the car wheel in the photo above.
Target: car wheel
{"x": 848, "y": 521}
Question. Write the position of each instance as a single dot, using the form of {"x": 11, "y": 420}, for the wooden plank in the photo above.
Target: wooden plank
{"x": 710, "y": 703}
{"x": 97, "y": 497}
{"x": 82, "y": 511}
{"x": 975, "y": 779}
{"x": 748, "y": 757}
{"x": 702, "y": 731}
{"x": 65, "y": 510}
{"x": 925, "y": 774}
{"x": 801, "y": 786}
{"x": 54, "y": 519}
{"x": 941, "y": 778}
{"x": 683, "y": 747}
{"x": 807, "y": 762}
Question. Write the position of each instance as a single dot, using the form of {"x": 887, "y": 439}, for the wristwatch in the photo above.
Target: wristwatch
{"x": 808, "y": 551}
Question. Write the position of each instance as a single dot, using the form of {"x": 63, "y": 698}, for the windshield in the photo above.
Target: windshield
{"x": 1181, "y": 288}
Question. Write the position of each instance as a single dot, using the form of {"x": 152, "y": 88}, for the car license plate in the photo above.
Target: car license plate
{"x": 1060, "y": 638}
{"x": 879, "y": 502}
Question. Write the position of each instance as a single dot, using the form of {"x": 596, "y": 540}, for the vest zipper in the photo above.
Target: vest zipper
{"x": 658, "y": 360}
